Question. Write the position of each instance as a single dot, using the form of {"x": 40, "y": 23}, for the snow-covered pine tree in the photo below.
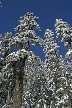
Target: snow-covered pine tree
{"x": 4, "y": 52}
{"x": 32, "y": 87}
{"x": 64, "y": 32}
{"x": 35, "y": 90}
{"x": 61, "y": 85}
{"x": 51, "y": 62}
{"x": 23, "y": 40}
{"x": 56, "y": 71}
{"x": 27, "y": 36}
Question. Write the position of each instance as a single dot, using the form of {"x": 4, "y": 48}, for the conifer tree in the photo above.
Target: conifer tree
{"x": 64, "y": 32}
{"x": 51, "y": 62}
{"x": 23, "y": 40}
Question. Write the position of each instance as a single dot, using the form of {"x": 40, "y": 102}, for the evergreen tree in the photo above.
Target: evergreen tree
{"x": 51, "y": 63}
{"x": 17, "y": 60}
{"x": 64, "y": 31}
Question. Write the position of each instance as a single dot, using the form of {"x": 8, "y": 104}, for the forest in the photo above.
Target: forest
{"x": 25, "y": 80}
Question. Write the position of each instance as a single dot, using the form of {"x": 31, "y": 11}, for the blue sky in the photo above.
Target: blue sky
{"x": 47, "y": 11}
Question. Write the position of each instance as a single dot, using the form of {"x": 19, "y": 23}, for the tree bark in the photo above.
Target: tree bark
{"x": 18, "y": 90}
{"x": 17, "y": 97}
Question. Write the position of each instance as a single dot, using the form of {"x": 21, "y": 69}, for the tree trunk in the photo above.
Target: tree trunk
{"x": 17, "y": 97}
{"x": 18, "y": 90}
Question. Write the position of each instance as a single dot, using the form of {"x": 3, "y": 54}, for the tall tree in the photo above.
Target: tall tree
{"x": 23, "y": 40}
{"x": 51, "y": 62}
{"x": 64, "y": 31}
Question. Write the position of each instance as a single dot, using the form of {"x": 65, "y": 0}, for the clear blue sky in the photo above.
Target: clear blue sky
{"x": 47, "y": 11}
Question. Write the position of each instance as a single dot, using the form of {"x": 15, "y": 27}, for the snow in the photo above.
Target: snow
{"x": 60, "y": 89}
